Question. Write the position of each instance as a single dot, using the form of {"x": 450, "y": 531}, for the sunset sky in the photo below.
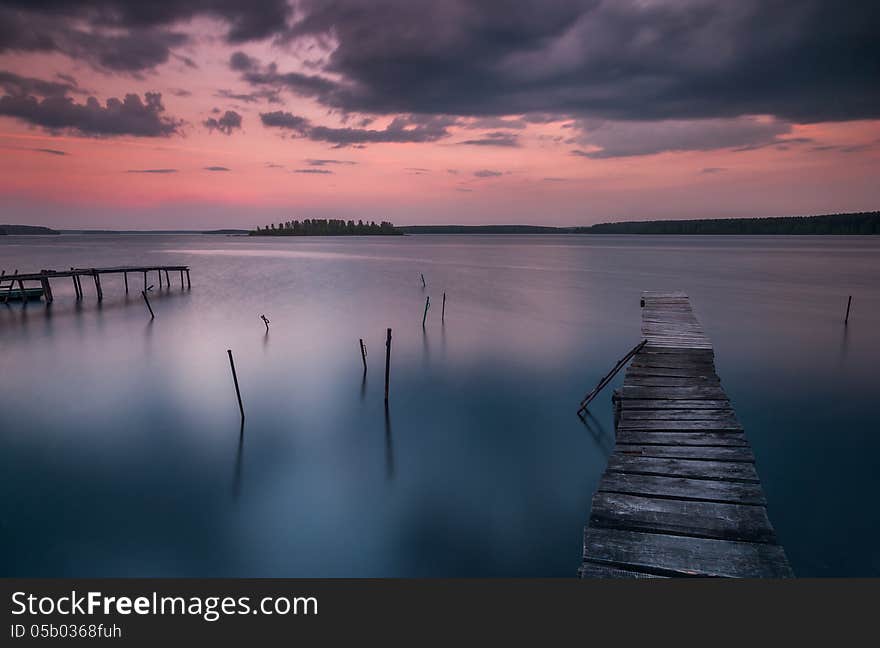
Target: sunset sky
{"x": 232, "y": 113}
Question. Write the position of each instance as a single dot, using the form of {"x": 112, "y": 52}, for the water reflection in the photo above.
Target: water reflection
{"x": 389, "y": 445}
{"x": 236, "y": 480}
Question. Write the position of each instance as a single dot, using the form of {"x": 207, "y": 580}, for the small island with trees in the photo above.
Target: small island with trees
{"x": 325, "y": 227}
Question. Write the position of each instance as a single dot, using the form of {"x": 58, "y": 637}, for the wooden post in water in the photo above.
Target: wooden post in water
{"x": 364, "y": 354}
{"x": 188, "y": 284}
{"x": 235, "y": 380}
{"x": 167, "y": 280}
{"x": 443, "y": 309}
{"x": 427, "y": 306}
{"x": 159, "y": 272}
{"x": 181, "y": 279}
{"x": 262, "y": 317}
{"x": 47, "y": 289}
{"x": 387, "y": 363}
{"x": 423, "y": 280}
{"x": 125, "y": 274}
{"x": 147, "y": 302}
{"x": 848, "y": 304}
{"x": 11, "y": 286}
{"x": 145, "y": 279}
{"x": 98, "y": 285}
{"x": 24, "y": 297}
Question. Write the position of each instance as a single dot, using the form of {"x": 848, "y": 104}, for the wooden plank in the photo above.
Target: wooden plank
{"x": 638, "y": 370}
{"x": 684, "y": 556}
{"x": 683, "y": 488}
{"x": 596, "y": 570}
{"x": 672, "y": 381}
{"x": 681, "y": 451}
{"x": 673, "y": 393}
{"x": 673, "y": 425}
{"x": 655, "y": 404}
{"x": 732, "y": 439}
{"x": 698, "y": 519}
{"x": 697, "y": 469}
{"x": 678, "y": 415}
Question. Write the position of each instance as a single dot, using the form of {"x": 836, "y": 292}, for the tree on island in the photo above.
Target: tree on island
{"x": 326, "y": 227}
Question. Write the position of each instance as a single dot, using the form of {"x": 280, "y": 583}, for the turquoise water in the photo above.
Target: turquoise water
{"x": 120, "y": 446}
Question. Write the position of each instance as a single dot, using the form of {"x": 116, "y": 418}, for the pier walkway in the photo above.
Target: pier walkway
{"x": 680, "y": 495}
{"x": 12, "y": 286}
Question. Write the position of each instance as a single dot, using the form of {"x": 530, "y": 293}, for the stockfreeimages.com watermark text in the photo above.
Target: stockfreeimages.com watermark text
{"x": 209, "y": 608}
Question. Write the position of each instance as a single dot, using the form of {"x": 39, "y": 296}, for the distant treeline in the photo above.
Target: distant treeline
{"x": 859, "y": 223}
{"x": 483, "y": 229}
{"x": 325, "y": 227}
{"x": 25, "y": 229}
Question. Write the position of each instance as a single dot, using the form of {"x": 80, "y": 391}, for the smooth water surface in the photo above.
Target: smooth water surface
{"x": 120, "y": 445}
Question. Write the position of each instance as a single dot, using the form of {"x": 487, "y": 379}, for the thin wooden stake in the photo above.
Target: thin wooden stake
{"x": 848, "y": 304}
{"x": 147, "y": 302}
{"x": 364, "y": 354}
{"x": 125, "y": 274}
{"x": 265, "y": 321}
{"x": 188, "y": 284}
{"x": 387, "y": 363}
{"x": 235, "y": 380}
{"x": 443, "y": 310}
{"x": 423, "y": 280}
{"x": 427, "y": 306}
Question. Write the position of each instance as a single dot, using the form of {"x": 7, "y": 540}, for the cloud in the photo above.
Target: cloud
{"x": 316, "y": 171}
{"x": 15, "y": 84}
{"x": 712, "y": 170}
{"x": 229, "y": 122}
{"x": 402, "y": 129}
{"x": 623, "y": 60}
{"x": 630, "y": 138}
{"x": 50, "y": 151}
{"x": 324, "y": 162}
{"x": 494, "y": 139}
{"x": 270, "y": 96}
{"x": 158, "y": 171}
{"x": 487, "y": 173}
{"x": 129, "y": 116}
{"x": 216, "y": 168}
{"x": 180, "y": 92}
{"x": 129, "y": 35}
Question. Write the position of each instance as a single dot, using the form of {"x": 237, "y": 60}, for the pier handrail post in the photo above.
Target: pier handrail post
{"x": 609, "y": 376}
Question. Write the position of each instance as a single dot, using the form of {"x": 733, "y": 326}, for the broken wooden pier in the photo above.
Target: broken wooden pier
{"x": 680, "y": 495}
{"x": 13, "y": 286}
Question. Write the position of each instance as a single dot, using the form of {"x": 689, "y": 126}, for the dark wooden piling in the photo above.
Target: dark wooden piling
{"x": 24, "y": 295}
{"x": 680, "y": 495}
{"x": 443, "y": 309}
{"x": 181, "y": 279}
{"x": 387, "y": 363}
{"x": 159, "y": 272}
{"x": 47, "y": 289}
{"x": 147, "y": 302}
{"x": 98, "y": 290}
{"x": 235, "y": 380}
{"x": 364, "y": 354}
{"x": 145, "y": 279}
{"x": 427, "y": 306}
{"x": 188, "y": 283}
{"x": 265, "y": 321}
{"x": 11, "y": 286}
{"x": 125, "y": 275}
{"x": 848, "y": 304}
{"x": 423, "y": 280}
{"x": 167, "y": 280}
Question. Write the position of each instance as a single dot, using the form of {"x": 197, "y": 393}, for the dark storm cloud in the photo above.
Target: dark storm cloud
{"x": 402, "y": 129}
{"x": 229, "y": 122}
{"x": 15, "y": 84}
{"x": 494, "y": 139}
{"x": 625, "y": 60}
{"x": 128, "y": 35}
{"x": 130, "y": 116}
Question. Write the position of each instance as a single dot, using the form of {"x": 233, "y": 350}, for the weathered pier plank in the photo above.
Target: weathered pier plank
{"x": 680, "y": 495}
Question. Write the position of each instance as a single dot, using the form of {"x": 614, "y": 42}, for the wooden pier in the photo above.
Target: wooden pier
{"x": 12, "y": 286}
{"x": 680, "y": 495}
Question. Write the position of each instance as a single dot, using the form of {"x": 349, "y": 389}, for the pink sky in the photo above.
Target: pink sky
{"x": 566, "y": 169}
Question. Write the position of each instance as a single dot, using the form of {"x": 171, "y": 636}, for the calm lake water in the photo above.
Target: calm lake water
{"x": 120, "y": 452}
